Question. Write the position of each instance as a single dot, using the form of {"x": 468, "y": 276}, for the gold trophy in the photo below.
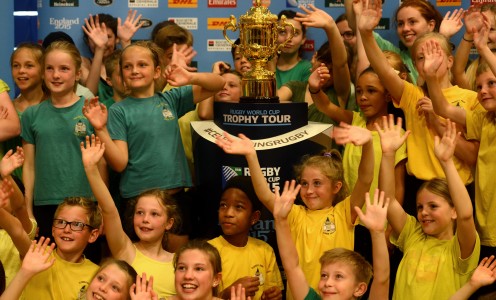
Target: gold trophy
{"x": 258, "y": 31}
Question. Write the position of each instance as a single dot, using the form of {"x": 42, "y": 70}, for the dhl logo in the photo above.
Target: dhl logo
{"x": 217, "y": 23}
{"x": 183, "y": 3}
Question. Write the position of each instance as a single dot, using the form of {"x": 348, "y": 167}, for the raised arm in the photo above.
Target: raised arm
{"x": 367, "y": 21}
{"x": 97, "y": 34}
{"x": 37, "y": 259}
{"x": 119, "y": 243}
{"x": 206, "y": 107}
{"x": 244, "y": 146}
{"x": 116, "y": 152}
{"x": 375, "y": 221}
{"x": 484, "y": 274}
{"x": 318, "y": 18}
{"x": 465, "y": 226}
{"x": 11, "y": 224}
{"x": 359, "y": 137}
{"x": 28, "y": 175}
{"x": 452, "y": 23}
{"x": 391, "y": 140}
{"x": 8, "y": 164}
{"x": 126, "y": 30}
{"x": 434, "y": 61}
{"x": 480, "y": 41}
{"x": 297, "y": 282}
{"x": 315, "y": 83}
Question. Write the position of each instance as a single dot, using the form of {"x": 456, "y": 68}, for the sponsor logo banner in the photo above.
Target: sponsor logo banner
{"x": 143, "y": 3}
{"x": 64, "y": 3}
{"x": 187, "y": 23}
{"x": 183, "y": 3}
{"x": 220, "y": 45}
{"x": 103, "y": 2}
{"x": 63, "y": 24}
{"x": 216, "y": 23}
{"x": 222, "y": 3}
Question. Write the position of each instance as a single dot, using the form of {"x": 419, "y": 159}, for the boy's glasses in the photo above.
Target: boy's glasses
{"x": 348, "y": 35}
{"x": 75, "y": 226}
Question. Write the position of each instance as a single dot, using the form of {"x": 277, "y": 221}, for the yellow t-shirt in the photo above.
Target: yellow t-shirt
{"x": 257, "y": 258}
{"x": 162, "y": 272}
{"x": 3, "y": 86}
{"x": 316, "y": 231}
{"x": 353, "y": 154}
{"x": 422, "y": 162}
{"x": 9, "y": 256}
{"x": 480, "y": 127}
{"x": 430, "y": 268}
{"x": 64, "y": 280}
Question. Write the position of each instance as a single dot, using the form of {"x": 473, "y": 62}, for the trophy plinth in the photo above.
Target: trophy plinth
{"x": 258, "y": 31}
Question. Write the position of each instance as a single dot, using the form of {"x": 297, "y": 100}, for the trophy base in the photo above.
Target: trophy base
{"x": 258, "y": 99}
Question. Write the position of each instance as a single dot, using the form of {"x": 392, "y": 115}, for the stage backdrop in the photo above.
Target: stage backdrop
{"x": 205, "y": 19}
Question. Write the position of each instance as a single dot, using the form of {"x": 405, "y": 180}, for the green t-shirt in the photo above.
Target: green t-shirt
{"x": 150, "y": 128}
{"x": 300, "y": 72}
{"x": 56, "y": 134}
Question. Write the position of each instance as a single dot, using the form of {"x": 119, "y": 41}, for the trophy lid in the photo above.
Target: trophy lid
{"x": 258, "y": 14}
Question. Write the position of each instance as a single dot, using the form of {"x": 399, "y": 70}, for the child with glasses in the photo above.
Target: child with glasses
{"x": 75, "y": 225}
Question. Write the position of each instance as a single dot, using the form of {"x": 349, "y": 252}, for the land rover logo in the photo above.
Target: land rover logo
{"x": 103, "y": 2}
{"x": 146, "y": 23}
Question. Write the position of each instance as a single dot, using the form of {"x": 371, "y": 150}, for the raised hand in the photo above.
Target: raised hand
{"x": 250, "y": 284}
{"x": 233, "y": 145}
{"x": 433, "y": 58}
{"x": 96, "y": 113}
{"x": 452, "y": 23}
{"x": 390, "y": 134}
{"x": 375, "y": 215}
{"x": 11, "y": 161}
{"x": 92, "y": 152}
{"x": 314, "y": 17}
{"x": 473, "y": 18}
{"x": 126, "y": 30}
{"x": 177, "y": 75}
{"x": 96, "y": 32}
{"x": 219, "y": 67}
{"x": 143, "y": 289}
{"x": 346, "y": 133}
{"x": 284, "y": 202}
{"x": 238, "y": 293}
{"x": 37, "y": 259}
{"x": 319, "y": 77}
{"x": 182, "y": 56}
{"x": 371, "y": 15}
{"x": 444, "y": 148}
{"x": 485, "y": 273}
{"x": 481, "y": 36}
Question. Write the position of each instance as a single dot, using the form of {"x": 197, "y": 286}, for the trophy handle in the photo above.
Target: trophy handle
{"x": 230, "y": 25}
{"x": 283, "y": 26}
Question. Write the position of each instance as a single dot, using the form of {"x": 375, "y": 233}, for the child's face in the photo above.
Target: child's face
{"x": 236, "y": 214}
{"x": 411, "y": 25}
{"x": 194, "y": 275}
{"x": 68, "y": 241}
{"x": 109, "y": 47}
{"x": 435, "y": 215}
{"x": 371, "y": 96}
{"x": 60, "y": 73}
{"x": 338, "y": 281}
{"x": 298, "y": 39}
{"x": 117, "y": 84}
{"x": 138, "y": 69}
{"x": 111, "y": 283}
{"x": 150, "y": 219}
{"x": 241, "y": 63}
{"x": 316, "y": 189}
{"x": 26, "y": 70}
{"x": 486, "y": 90}
{"x": 232, "y": 89}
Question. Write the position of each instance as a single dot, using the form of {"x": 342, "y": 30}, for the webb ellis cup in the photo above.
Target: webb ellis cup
{"x": 258, "y": 32}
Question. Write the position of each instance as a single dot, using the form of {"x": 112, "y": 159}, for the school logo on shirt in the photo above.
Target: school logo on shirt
{"x": 80, "y": 129}
{"x": 329, "y": 227}
{"x": 167, "y": 113}
{"x": 260, "y": 276}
